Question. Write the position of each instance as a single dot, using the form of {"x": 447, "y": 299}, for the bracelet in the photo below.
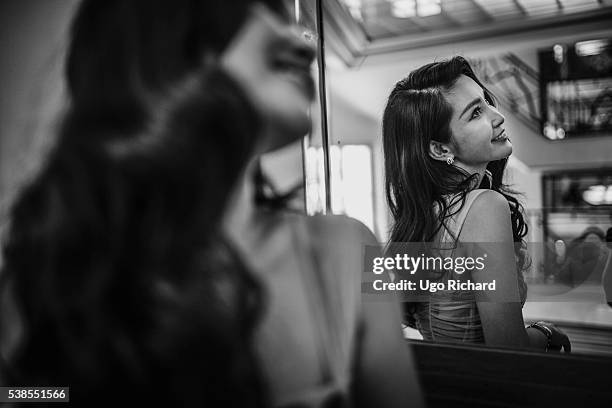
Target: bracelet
{"x": 543, "y": 329}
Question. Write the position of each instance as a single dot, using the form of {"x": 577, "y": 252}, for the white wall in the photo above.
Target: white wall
{"x": 350, "y": 125}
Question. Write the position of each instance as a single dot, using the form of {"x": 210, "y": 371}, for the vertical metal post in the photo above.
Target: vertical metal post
{"x": 304, "y": 143}
{"x": 323, "y": 103}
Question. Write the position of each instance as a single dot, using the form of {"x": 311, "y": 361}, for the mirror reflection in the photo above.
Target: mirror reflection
{"x": 526, "y": 114}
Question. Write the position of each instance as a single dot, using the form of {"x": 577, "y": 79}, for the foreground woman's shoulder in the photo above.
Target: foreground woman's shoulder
{"x": 337, "y": 238}
{"x": 340, "y": 227}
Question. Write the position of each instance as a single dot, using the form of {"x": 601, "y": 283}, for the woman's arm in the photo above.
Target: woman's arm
{"x": 488, "y": 222}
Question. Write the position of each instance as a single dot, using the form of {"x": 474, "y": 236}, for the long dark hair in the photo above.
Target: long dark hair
{"x": 114, "y": 254}
{"x": 417, "y": 113}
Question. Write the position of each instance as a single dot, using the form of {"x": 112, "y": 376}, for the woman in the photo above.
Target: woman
{"x": 445, "y": 150}
{"x": 140, "y": 266}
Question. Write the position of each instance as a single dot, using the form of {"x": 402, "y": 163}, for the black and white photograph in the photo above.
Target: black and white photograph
{"x": 306, "y": 203}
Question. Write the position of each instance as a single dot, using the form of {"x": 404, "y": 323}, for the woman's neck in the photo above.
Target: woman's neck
{"x": 479, "y": 171}
{"x": 240, "y": 212}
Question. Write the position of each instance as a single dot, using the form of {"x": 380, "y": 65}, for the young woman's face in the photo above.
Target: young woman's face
{"x": 478, "y": 134}
{"x": 272, "y": 61}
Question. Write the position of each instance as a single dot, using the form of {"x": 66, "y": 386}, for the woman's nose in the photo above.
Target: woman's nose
{"x": 497, "y": 118}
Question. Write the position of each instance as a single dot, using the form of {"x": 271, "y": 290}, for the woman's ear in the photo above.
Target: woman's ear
{"x": 439, "y": 151}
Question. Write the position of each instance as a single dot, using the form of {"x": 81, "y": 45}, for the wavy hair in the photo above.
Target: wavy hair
{"x": 114, "y": 254}
{"x": 417, "y": 112}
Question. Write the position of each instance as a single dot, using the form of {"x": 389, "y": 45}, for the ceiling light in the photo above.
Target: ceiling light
{"x": 415, "y": 8}
{"x": 354, "y": 7}
{"x": 592, "y": 47}
{"x": 598, "y": 195}
{"x": 550, "y": 131}
{"x": 558, "y": 51}
{"x": 403, "y": 8}
{"x": 428, "y": 8}
{"x": 560, "y": 133}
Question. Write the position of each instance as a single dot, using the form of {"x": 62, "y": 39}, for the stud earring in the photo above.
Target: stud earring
{"x": 450, "y": 160}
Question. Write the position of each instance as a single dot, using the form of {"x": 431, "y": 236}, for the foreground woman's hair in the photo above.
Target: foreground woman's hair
{"x": 125, "y": 287}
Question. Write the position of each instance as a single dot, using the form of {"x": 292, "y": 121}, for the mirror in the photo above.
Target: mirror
{"x": 562, "y": 148}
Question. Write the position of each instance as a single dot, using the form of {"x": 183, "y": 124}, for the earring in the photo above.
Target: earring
{"x": 450, "y": 160}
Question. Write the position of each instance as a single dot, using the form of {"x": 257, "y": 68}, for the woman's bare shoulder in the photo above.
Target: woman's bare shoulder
{"x": 488, "y": 219}
{"x": 339, "y": 239}
{"x": 340, "y": 227}
{"x": 489, "y": 203}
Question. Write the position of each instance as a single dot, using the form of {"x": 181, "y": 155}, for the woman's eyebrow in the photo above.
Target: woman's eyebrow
{"x": 476, "y": 101}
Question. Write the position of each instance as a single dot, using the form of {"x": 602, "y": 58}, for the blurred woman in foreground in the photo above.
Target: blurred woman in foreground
{"x": 137, "y": 259}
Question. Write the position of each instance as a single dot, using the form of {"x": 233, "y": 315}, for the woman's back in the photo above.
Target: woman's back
{"x": 312, "y": 341}
{"x": 309, "y": 334}
{"x": 452, "y": 315}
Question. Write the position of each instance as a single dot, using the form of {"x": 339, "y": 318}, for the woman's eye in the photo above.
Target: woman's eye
{"x": 476, "y": 113}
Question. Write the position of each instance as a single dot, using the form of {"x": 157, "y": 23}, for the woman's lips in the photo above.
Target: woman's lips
{"x": 297, "y": 69}
{"x": 304, "y": 80}
{"x": 501, "y": 138}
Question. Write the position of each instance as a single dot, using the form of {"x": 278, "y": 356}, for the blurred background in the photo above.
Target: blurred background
{"x": 549, "y": 63}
